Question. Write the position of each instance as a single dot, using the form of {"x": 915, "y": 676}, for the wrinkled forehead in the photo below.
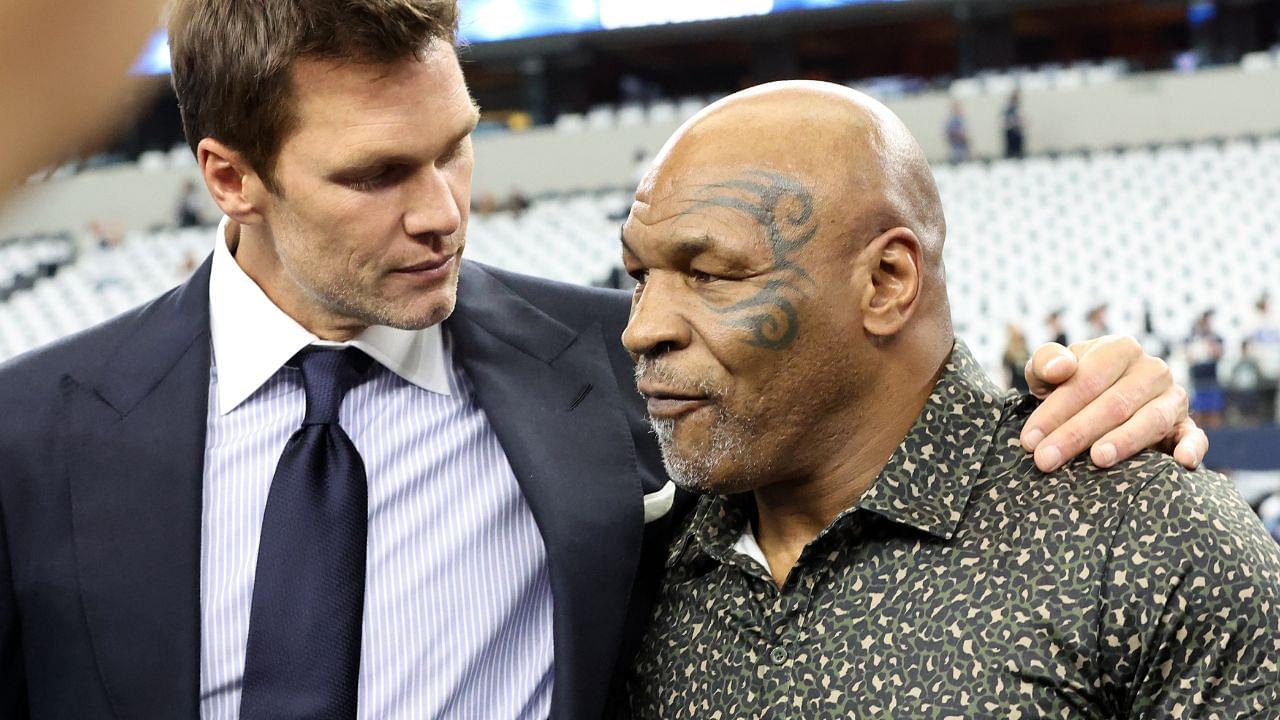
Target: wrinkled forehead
{"x": 749, "y": 207}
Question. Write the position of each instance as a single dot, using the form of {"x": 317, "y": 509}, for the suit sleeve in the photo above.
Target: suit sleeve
{"x": 1190, "y": 606}
{"x": 13, "y": 680}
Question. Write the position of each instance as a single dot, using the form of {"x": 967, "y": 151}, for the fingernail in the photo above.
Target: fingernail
{"x": 1051, "y": 458}
{"x": 1059, "y": 361}
{"x": 1106, "y": 454}
{"x": 1034, "y": 436}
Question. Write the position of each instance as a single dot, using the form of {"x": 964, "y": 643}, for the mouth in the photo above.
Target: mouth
{"x": 666, "y": 404}
{"x": 429, "y": 271}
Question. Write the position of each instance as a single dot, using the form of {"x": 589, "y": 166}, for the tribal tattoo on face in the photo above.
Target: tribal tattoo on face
{"x": 783, "y": 207}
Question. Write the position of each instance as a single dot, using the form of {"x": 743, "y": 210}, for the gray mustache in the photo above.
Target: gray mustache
{"x": 651, "y": 371}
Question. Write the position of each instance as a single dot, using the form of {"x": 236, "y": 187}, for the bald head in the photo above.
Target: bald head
{"x": 851, "y": 148}
{"x": 787, "y": 248}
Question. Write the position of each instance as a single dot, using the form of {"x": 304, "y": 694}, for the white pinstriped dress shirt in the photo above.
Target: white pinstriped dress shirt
{"x": 458, "y": 609}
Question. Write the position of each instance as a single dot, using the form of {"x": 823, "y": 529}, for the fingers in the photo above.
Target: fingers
{"x": 1114, "y": 385}
{"x": 1192, "y": 444}
{"x": 1151, "y": 424}
{"x": 1101, "y": 363}
{"x": 1050, "y": 366}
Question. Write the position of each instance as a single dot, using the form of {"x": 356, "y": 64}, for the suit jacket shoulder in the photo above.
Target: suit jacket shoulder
{"x": 577, "y": 306}
{"x": 572, "y": 304}
{"x": 100, "y": 448}
{"x": 30, "y": 384}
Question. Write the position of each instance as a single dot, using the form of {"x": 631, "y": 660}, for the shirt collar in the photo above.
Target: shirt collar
{"x": 927, "y": 481}
{"x": 253, "y": 338}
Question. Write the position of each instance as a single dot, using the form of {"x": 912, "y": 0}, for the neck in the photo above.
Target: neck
{"x": 254, "y": 251}
{"x": 792, "y": 514}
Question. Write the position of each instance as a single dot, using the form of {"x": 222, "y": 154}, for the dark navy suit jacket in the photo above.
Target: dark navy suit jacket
{"x": 101, "y": 462}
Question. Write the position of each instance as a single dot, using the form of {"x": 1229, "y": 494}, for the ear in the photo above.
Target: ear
{"x": 894, "y": 264}
{"x": 234, "y": 185}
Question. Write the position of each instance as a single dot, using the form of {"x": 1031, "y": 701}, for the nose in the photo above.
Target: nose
{"x": 433, "y": 205}
{"x": 656, "y": 326}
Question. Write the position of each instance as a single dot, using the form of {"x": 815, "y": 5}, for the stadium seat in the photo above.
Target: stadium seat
{"x": 1257, "y": 62}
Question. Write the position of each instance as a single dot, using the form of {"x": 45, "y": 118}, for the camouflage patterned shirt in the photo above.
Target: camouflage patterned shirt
{"x": 967, "y": 584}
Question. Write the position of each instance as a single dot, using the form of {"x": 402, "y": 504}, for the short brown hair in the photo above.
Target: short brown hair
{"x": 231, "y": 59}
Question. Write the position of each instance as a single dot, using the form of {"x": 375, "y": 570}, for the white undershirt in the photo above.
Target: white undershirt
{"x": 748, "y": 546}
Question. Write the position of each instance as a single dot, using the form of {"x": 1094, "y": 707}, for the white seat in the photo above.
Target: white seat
{"x": 663, "y": 113}
{"x": 570, "y": 123}
{"x": 965, "y": 88}
{"x": 999, "y": 84}
{"x": 689, "y": 106}
{"x": 630, "y": 116}
{"x": 601, "y": 117}
{"x": 153, "y": 161}
{"x": 1261, "y": 61}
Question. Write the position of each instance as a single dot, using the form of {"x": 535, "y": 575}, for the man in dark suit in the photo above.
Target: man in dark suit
{"x": 303, "y": 484}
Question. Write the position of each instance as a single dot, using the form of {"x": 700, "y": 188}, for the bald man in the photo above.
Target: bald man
{"x": 875, "y": 542}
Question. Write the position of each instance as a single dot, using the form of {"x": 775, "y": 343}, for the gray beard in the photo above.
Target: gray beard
{"x": 730, "y": 443}
{"x": 695, "y": 472}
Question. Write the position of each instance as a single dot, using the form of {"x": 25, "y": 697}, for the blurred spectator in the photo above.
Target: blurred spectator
{"x": 1204, "y": 351}
{"x": 105, "y": 236}
{"x": 1152, "y": 342}
{"x": 957, "y": 134}
{"x": 1265, "y": 336}
{"x": 190, "y": 261}
{"x": 1096, "y": 322}
{"x": 1053, "y": 323}
{"x": 485, "y": 203}
{"x": 189, "y": 206}
{"x": 518, "y": 203}
{"x": 1264, "y": 340}
{"x": 1016, "y": 356}
{"x": 1247, "y": 387}
{"x": 1014, "y": 126}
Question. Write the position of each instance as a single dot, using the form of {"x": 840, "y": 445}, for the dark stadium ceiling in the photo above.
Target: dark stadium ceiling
{"x": 659, "y": 21}
{"x": 917, "y": 39}
{"x": 503, "y": 28}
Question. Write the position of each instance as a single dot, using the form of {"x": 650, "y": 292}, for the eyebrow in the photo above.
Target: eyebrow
{"x": 359, "y": 162}
{"x": 693, "y": 245}
{"x": 689, "y": 246}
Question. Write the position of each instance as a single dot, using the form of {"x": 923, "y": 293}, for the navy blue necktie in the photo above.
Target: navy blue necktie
{"x": 303, "y": 655}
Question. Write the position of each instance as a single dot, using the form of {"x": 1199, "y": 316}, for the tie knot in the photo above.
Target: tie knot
{"x": 327, "y": 375}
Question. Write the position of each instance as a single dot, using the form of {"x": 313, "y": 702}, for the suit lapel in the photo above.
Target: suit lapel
{"x": 134, "y": 443}
{"x": 554, "y": 404}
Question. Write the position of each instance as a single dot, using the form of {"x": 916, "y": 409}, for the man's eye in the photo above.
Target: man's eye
{"x": 372, "y": 181}
{"x": 367, "y": 183}
{"x": 702, "y": 277}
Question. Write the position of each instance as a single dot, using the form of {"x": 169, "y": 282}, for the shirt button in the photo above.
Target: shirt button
{"x": 778, "y": 655}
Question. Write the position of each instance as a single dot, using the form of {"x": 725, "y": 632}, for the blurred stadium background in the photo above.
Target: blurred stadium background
{"x": 1106, "y": 166}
